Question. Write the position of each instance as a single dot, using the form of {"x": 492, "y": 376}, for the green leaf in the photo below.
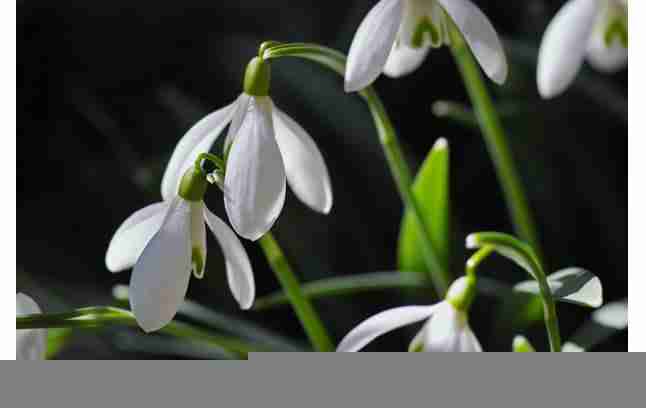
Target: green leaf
{"x": 431, "y": 189}
{"x": 102, "y": 316}
{"x": 347, "y": 285}
{"x": 132, "y": 342}
{"x": 572, "y": 285}
{"x": 350, "y": 285}
{"x": 56, "y": 340}
{"x": 233, "y": 325}
{"x": 604, "y": 323}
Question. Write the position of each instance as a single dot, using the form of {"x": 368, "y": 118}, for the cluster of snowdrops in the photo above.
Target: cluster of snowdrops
{"x": 264, "y": 150}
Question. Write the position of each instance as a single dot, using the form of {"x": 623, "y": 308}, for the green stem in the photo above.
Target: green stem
{"x": 525, "y": 256}
{"x": 101, "y": 316}
{"x": 302, "y": 306}
{"x": 399, "y": 169}
{"x": 496, "y": 141}
{"x": 476, "y": 259}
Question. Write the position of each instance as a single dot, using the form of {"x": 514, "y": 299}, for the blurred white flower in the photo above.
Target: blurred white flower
{"x": 396, "y": 35}
{"x": 30, "y": 343}
{"x": 267, "y": 148}
{"x": 165, "y": 241}
{"x": 446, "y": 328}
{"x": 582, "y": 29}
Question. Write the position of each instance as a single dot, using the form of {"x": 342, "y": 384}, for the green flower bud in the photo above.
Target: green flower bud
{"x": 462, "y": 292}
{"x": 522, "y": 345}
{"x": 257, "y": 77}
{"x": 193, "y": 185}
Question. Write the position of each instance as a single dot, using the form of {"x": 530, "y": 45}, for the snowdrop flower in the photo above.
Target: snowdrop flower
{"x": 166, "y": 241}
{"x": 446, "y": 328}
{"x": 595, "y": 30}
{"x": 30, "y": 343}
{"x": 264, "y": 149}
{"x": 396, "y": 36}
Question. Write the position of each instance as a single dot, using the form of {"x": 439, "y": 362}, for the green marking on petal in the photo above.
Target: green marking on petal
{"x": 616, "y": 30}
{"x": 197, "y": 260}
{"x": 425, "y": 26}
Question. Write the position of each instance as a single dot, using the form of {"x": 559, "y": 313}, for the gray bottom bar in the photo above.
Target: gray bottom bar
{"x": 302, "y": 380}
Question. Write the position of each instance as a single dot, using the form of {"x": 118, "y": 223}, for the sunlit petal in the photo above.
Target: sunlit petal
{"x": 132, "y": 236}
{"x": 372, "y": 44}
{"x": 160, "y": 278}
{"x": 198, "y": 139}
{"x": 242, "y": 107}
{"x": 30, "y": 343}
{"x": 305, "y": 168}
{"x": 448, "y": 331}
{"x": 382, "y": 323}
{"x": 606, "y": 59}
{"x": 255, "y": 176}
{"x": 239, "y": 272}
{"x": 563, "y": 46}
{"x": 403, "y": 60}
{"x": 482, "y": 38}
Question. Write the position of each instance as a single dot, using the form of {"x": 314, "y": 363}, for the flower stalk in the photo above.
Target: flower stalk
{"x": 389, "y": 141}
{"x": 496, "y": 141}
{"x": 303, "y": 308}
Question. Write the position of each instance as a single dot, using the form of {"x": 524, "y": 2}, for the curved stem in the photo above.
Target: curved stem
{"x": 399, "y": 169}
{"x": 476, "y": 259}
{"x": 302, "y": 306}
{"x": 496, "y": 141}
{"x": 525, "y": 256}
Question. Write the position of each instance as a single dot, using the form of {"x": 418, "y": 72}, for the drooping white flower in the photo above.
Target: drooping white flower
{"x": 396, "y": 35}
{"x": 446, "y": 328}
{"x": 580, "y": 30}
{"x": 266, "y": 149}
{"x": 30, "y": 343}
{"x": 166, "y": 241}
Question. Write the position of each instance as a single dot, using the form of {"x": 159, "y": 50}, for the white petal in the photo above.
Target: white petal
{"x": 381, "y": 323}
{"x": 305, "y": 168}
{"x": 468, "y": 341}
{"x": 614, "y": 315}
{"x": 415, "y": 11}
{"x": 242, "y": 107}
{"x": 403, "y": 59}
{"x": 198, "y": 239}
{"x": 198, "y": 139}
{"x": 132, "y": 236}
{"x": 239, "y": 272}
{"x": 30, "y": 343}
{"x": 480, "y": 35}
{"x": 444, "y": 332}
{"x": 372, "y": 44}
{"x": 570, "y": 347}
{"x": 254, "y": 181}
{"x": 603, "y": 58}
{"x": 160, "y": 278}
{"x": 564, "y": 45}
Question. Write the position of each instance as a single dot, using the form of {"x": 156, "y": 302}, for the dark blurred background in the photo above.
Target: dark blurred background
{"x": 106, "y": 89}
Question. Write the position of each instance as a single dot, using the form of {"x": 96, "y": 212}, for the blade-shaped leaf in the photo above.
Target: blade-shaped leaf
{"x": 349, "y": 285}
{"x": 604, "y": 323}
{"x": 233, "y": 325}
{"x": 431, "y": 188}
{"x": 56, "y": 340}
{"x": 572, "y": 285}
{"x": 102, "y": 316}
